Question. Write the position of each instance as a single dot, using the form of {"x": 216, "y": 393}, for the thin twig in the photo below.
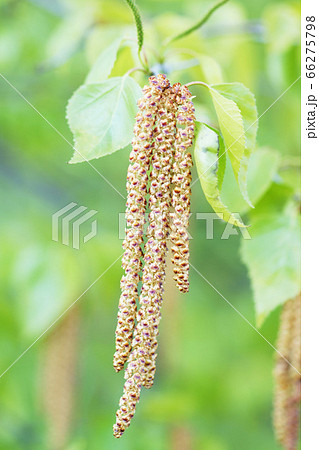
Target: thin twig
{"x": 135, "y": 69}
{"x": 194, "y": 83}
{"x": 197, "y": 25}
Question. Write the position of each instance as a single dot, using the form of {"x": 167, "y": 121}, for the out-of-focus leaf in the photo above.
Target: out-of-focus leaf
{"x": 103, "y": 36}
{"x": 47, "y": 281}
{"x": 101, "y": 117}
{"x": 282, "y": 26}
{"x": 211, "y": 69}
{"x": 282, "y": 34}
{"x": 289, "y": 173}
{"x": 163, "y": 25}
{"x": 261, "y": 171}
{"x": 206, "y": 148}
{"x": 68, "y": 38}
{"x": 273, "y": 258}
{"x": 174, "y": 65}
{"x": 245, "y": 101}
{"x": 104, "y": 64}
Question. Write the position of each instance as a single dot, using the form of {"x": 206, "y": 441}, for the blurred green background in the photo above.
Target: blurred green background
{"x": 213, "y": 386}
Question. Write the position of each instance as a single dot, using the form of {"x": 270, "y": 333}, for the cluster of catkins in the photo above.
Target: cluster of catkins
{"x": 287, "y": 377}
{"x": 158, "y": 181}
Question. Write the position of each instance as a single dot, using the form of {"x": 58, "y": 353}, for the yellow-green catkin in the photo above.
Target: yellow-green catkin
{"x": 158, "y": 230}
{"x": 137, "y": 179}
{"x": 181, "y": 192}
{"x": 287, "y": 377}
{"x": 59, "y": 379}
{"x": 141, "y": 363}
{"x": 167, "y": 183}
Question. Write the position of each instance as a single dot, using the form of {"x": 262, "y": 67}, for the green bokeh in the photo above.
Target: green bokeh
{"x": 214, "y": 379}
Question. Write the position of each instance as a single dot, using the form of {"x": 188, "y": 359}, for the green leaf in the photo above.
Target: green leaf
{"x": 103, "y": 66}
{"x": 246, "y": 103}
{"x": 232, "y": 128}
{"x": 101, "y": 117}
{"x": 68, "y": 38}
{"x": 212, "y": 73}
{"x": 46, "y": 285}
{"x": 273, "y": 258}
{"x": 261, "y": 172}
{"x": 282, "y": 36}
{"x": 206, "y": 147}
{"x": 221, "y": 161}
{"x": 290, "y": 174}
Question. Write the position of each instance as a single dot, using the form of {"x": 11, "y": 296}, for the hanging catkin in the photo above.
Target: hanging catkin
{"x": 182, "y": 190}
{"x": 158, "y": 230}
{"x": 58, "y": 379}
{"x": 137, "y": 179}
{"x": 287, "y": 378}
{"x": 166, "y": 156}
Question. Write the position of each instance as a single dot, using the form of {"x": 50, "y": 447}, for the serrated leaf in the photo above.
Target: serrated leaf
{"x": 221, "y": 157}
{"x": 261, "y": 172}
{"x": 273, "y": 259}
{"x": 206, "y": 146}
{"x": 221, "y": 162}
{"x": 103, "y": 66}
{"x": 232, "y": 128}
{"x": 101, "y": 117}
{"x": 246, "y": 103}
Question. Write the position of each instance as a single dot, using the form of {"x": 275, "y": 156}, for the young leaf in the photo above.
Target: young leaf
{"x": 101, "y": 117}
{"x": 103, "y": 66}
{"x": 221, "y": 161}
{"x": 273, "y": 258}
{"x": 232, "y": 128}
{"x": 198, "y": 24}
{"x": 206, "y": 147}
{"x": 261, "y": 171}
{"x": 246, "y": 103}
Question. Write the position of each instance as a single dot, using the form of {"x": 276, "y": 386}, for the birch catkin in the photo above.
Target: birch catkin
{"x": 287, "y": 377}
{"x": 159, "y": 163}
{"x": 59, "y": 379}
{"x": 182, "y": 191}
{"x": 137, "y": 179}
{"x": 158, "y": 229}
